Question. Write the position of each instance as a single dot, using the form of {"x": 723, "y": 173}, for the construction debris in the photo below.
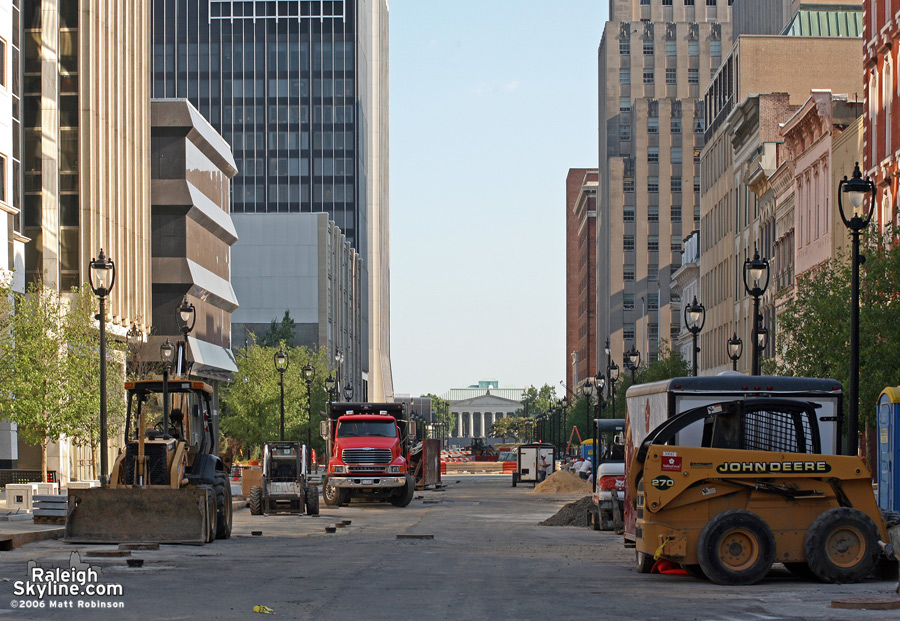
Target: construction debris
{"x": 572, "y": 514}
{"x": 562, "y": 482}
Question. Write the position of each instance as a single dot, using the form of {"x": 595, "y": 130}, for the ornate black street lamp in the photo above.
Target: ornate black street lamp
{"x": 281, "y": 365}
{"x": 187, "y": 317}
{"x": 309, "y": 374}
{"x": 600, "y": 384}
{"x": 756, "y": 271}
{"x": 167, "y": 355}
{"x": 348, "y": 391}
{"x": 860, "y": 193}
{"x": 587, "y": 391}
{"x": 694, "y": 320}
{"x": 612, "y": 371}
{"x": 633, "y": 361}
{"x": 102, "y": 277}
{"x": 762, "y": 337}
{"x": 735, "y": 349}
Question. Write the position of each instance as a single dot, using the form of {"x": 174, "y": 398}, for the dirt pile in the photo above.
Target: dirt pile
{"x": 573, "y": 514}
{"x": 562, "y": 482}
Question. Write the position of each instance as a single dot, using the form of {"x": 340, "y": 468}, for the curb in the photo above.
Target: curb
{"x": 17, "y": 540}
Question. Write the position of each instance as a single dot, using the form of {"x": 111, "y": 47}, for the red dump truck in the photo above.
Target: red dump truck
{"x": 368, "y": 454}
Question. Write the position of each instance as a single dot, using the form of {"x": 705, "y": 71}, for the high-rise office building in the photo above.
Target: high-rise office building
{"x": 581, "y": 270}
{"x": 655, "y": 58}
{"x": 299, "y": 89}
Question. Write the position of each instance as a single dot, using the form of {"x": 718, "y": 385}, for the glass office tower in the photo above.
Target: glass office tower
{"x": 278, "y": 80}
{"x": 299, "y": 89}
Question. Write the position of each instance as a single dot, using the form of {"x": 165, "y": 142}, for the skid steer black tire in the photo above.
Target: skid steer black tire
{"x": 841, "y": 545}
{"x": 256, "y": 500}
{"x": 736, "y": 547}
{"x": 405, "y": 496}
{"x": 312, "y": 500}
{"x": 222, "y": 488}
{"x": 515, "y": 479}
{"x": 643, "y": 563}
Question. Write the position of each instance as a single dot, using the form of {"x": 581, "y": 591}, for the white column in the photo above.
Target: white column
{"x": 459, "y": 427}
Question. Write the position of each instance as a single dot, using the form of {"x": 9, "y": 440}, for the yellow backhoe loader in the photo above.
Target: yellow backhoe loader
{"x": 168, "y": 485}
{"x": 726, "y": 490}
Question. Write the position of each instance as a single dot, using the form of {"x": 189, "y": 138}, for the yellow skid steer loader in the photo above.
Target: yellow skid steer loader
{"x": 168, "y": 485}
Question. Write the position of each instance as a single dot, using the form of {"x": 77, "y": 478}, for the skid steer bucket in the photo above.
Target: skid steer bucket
{"x": 141, "y": 515}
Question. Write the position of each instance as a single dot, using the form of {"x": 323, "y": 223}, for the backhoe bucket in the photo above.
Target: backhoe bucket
{"x": 141, "y": 515}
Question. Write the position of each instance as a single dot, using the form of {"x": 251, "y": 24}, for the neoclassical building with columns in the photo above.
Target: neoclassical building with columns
{"x": 475, "y": 416}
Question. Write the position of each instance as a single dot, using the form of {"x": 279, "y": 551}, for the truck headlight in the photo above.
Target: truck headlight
{"x": 395, "y": 469}
{"x": 338, "y": 469}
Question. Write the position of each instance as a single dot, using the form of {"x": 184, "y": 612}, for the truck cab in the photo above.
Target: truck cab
{"x": 368, "y": 453}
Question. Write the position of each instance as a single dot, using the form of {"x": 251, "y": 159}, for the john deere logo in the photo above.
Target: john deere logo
{"x": 662, "y": 482}
{"x": 773, "y": 467}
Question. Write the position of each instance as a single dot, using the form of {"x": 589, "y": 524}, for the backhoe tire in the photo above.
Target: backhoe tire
{"x": 736, "y": 547}
{"x": 405, "y": 496}
{"x": 842, "y": 545}
{"x": 224, "y": 516}
{"x": 312, "y": 500}
{"x": 643, "y": 563}
{"x": 331, "y": 494}
{"x": 256, "y": 500}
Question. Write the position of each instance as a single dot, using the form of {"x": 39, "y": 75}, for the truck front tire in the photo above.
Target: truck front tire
{"x": 406, "y": 493}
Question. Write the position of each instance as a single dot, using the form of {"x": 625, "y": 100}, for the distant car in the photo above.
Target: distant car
{"x": 508, "y": 456}
{"x": 610, "y": 490}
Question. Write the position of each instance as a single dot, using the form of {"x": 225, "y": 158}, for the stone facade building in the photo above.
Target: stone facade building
{"x": 655, "y": 60}
{"x": 581, "y": 280}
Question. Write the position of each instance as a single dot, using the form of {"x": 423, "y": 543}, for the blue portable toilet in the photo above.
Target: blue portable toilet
{"x": 888, "y": 446}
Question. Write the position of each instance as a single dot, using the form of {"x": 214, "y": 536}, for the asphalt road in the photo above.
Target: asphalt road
{"x": 489, "y": 559}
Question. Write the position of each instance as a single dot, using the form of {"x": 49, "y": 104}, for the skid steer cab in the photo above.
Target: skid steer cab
{"x": 168, "y": 484}
{"x": 728, "y": 489}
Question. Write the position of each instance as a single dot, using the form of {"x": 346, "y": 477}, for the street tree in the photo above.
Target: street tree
{"x": 251, "y": 412}
{"x": 48, "y": 366}
{"x": 279, "y": 332}
{"x": 441, "y": 410}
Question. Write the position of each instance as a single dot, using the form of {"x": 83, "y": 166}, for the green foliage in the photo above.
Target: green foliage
{"x": 516, "y": 428}
{"x": 49, "y": 366}
{"x": 441, "y": 409}
{"x": 537, "y": 401}
{"x": 278, "y": 333}
{"x": 251, "y": 412}
{"x": 814, "y": 329}
{"x": 670, "y": 364}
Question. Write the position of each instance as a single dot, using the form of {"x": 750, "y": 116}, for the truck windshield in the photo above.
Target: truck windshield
{"x": 368, "y": 428}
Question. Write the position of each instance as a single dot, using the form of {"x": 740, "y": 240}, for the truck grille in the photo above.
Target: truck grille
{"x": 366, "y": 456}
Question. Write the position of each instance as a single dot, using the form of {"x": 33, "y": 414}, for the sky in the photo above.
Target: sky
{"x": 492, "y": 101}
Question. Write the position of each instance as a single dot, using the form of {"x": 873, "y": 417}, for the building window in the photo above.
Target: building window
{"x": 699, "y": 125}
{"x": 652, "y": 273}
{"x": 628, "y": 213}
{"x": 676, "y": 155}
{"x": 624, "y": 47}
{"x": 628, "y": 301}
{"x": 3, "y": 63}
{"x": 628, "y": 184}
{"x": 653, "y": 184}
{"x": 674, "y": 330}
{"x": 645, "y": 2}
{"x": 652, "y": 243}
{"x": 628, "y": 273}
{"x": 653, "y": 301}
{"x": 648, "y": 76}
{"x": 671, "y": 76}
{"x": 688, "y": 2}
{"x": 675, "y": 244}
{"x": 696, "y": 185}
{"x": 624, "y": 132}
{"x": 648, "y": 48}
{"x": 628, "y": 243}
{"x": 653, "y": 125}
{"x": 628, "y": 331}
{"x": 693, "y": 48}
{"x": 653, "y": 331}
{"x": 3, "y": 178}
{"x": 676, "y": 184}
{"x": 653, "y": 213}
{"x": 676, "y": 212}
{"x": 710, "y": 2}
{"x": 652, "y": 154}
{"x": 715, "y": 48}
{"x": 624, "y": 104}
{"x": 667, "y": 2}
{"x": 693, "y": 76}
{"x": 676, "y": 126}
{"x": 697, "y": 155}
{"x": 624, "y": 76}
{"x": 671, "y": 48}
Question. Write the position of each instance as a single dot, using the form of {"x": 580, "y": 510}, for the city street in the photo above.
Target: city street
{"x": 488, "y": 559}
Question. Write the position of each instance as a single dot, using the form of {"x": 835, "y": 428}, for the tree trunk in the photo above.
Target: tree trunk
{"x": 44, "y": 443}
{"x": 94, "y": 457}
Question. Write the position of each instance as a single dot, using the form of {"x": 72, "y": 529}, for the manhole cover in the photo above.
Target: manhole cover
{"x": 867, "y": 603}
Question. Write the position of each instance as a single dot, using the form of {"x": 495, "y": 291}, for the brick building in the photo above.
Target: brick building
{"x": 581, "y": 269}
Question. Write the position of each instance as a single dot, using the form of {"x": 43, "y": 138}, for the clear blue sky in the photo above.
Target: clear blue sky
{"x": 492, "y": 101}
